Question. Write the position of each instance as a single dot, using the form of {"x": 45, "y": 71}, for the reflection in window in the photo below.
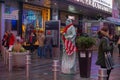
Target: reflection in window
{"x": 32, "y": 20}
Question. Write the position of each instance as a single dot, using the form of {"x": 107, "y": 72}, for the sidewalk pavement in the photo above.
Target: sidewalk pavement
{"x": 41, "y": 69}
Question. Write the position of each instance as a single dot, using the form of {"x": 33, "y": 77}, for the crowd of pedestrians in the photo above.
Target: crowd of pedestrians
{"x": 44, "y": 43}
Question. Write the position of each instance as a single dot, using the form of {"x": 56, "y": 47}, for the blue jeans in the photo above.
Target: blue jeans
{"x": 48, "y": 48}
{"x": 41, "y": 51}
{"x": 31, "y": 48}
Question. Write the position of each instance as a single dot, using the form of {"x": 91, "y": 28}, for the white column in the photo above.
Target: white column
{"x": 2, "y": 22}
{"x": 2, "y": 19}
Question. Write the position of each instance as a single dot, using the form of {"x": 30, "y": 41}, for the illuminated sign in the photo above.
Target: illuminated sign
{"x": 31, "y": 15}
{"x": 105, "y": 5}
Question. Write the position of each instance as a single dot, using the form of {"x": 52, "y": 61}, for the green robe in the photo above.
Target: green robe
{"x": 68, "y": 65}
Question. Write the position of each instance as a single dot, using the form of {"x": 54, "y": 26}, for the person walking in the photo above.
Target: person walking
{"x": 119, "y": 46}
{"x": 41, "y": 38}
{"x": 104, "y": 48}
{"x": 48, "y": 46}
{"x": 32, "y": 40}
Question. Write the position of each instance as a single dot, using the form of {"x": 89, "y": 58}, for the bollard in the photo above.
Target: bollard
{"x": 102, "y": 74}
{"x": 4, "y": 54}
{"x": 4, "y": 51}
{"x": 55, "y": 68}
{"x": 10, "y": 61}
{"x": 28, "y": 62}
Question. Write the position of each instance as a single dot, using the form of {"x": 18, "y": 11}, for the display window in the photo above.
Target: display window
{"x": 11, "y": 18}
{"x": 33, "y": 19}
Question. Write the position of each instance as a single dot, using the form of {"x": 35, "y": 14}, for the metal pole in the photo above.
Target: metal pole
{"x": 55, "y": 75}
{"x": 10, "y": 61}
{"x": 55, "y": 69}
{"x": 4, "y": 52}
{"x": 102, "y": 74}
{"x": 28, "y": 62}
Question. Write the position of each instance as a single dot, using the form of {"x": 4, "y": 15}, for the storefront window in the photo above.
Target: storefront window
{"x": 11, "y": 18}
{"x": 31, "y": 17}
{"x": 32, "y": 21}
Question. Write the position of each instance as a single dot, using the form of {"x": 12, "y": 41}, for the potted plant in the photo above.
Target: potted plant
{"x": 85, "y": 43}
{"x": 84, "y": 46}
{"x": 19, "y": 56}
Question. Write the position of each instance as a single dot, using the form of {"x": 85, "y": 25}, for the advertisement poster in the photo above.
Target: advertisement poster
{"x": 52, "y": 29}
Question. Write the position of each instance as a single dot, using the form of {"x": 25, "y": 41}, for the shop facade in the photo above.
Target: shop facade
{"x": 36, "y": 13}
{"x": 83, "y": 11}
{"x": 91, "y": 27}
{"x": 20, "y": 16}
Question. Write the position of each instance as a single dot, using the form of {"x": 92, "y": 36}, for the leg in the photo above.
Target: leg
{"x": 31, "y": 48}
{"x": 108, "y": 73}
{"x": 111, "y": 52}
{"x": 38, "y": 50}
{"x": 119, "y": 49}
{"x": 50, "y": 51}
{"x": 43, "y": 51}
{"x": 46, "y": 50}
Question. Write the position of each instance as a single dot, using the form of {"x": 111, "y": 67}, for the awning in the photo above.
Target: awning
{"x": 115, "y": 21}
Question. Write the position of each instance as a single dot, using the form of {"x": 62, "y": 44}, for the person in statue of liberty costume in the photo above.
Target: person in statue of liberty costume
{"x": 68, "y": 65}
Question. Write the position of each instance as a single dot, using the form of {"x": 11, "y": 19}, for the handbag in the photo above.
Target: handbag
{"x": 108, "y": 60}
{"x": 118, "y": 41}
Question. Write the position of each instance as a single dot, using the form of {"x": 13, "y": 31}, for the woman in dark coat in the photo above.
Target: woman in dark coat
{"x": 103, "y": 47}
{"x": 119, "y": 46}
